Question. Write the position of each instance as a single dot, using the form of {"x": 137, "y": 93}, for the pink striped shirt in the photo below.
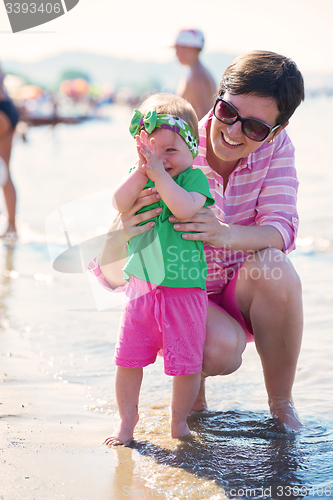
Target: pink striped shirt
{"x": 261, "y": 191}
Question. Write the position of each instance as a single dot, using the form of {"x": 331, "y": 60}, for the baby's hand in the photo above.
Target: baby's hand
{"x": 141, "y": 158}
{"x": 152, "y": 165}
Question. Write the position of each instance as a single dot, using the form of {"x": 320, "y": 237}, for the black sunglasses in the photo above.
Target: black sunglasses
{"x": 252, "y": 128}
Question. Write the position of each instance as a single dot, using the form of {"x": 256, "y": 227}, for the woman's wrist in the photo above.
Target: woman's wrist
{"x": 250, "y": 239}
{"x": 224, "y": 235}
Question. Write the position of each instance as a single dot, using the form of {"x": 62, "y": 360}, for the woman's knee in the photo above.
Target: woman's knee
{"x": 272, "y": 273}
{"x": 224, "y": 345}
{"x": 222, "y": 361}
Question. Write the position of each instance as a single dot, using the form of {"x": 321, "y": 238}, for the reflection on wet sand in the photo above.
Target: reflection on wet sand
{"x": 7, "y": 275}
{"x": 127, "y": 480}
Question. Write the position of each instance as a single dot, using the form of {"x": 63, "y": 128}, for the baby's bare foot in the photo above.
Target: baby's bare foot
{"x": 117, "y": 441}
{"x": 124, "y": 434}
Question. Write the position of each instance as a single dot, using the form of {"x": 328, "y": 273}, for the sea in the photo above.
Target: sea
{"x": 64, "y": 177}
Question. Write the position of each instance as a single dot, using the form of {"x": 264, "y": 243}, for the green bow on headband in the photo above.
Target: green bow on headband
{"x": 152, "y": 120}
{"x": 139, "y": 121}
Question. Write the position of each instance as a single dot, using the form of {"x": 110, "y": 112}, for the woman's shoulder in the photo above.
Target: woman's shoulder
{"x": 279, "y": 152}
{"x": 202, "y": 125}
{"x": 280, "y": 146}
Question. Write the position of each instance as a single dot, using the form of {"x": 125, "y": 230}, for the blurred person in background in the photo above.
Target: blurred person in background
{"x": 199, "y": 87}
{"x": 9, "y": 118}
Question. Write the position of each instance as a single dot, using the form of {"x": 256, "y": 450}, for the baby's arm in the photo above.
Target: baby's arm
{"x": 183, "y": 204}
{"x": 127, "y": 191}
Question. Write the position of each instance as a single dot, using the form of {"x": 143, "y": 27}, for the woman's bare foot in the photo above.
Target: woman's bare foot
{"x": 10, "y": 232}
{"x": 200, "y": 404}
{"x": 285, "y": 411}
{"x": 124, "y": 433}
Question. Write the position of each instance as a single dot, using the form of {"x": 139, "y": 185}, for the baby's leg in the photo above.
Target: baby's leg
{"x": 128, "y": 383}
{"x": 185, "y": 391}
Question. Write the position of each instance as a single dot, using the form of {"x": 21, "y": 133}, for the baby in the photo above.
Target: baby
{"x": 166, "y": 304}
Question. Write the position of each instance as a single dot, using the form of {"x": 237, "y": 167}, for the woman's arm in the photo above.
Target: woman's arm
{"x": 123, "y": 228}
{"x": 247, "y": 239}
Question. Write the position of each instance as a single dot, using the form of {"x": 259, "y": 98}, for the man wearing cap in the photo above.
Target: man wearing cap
{"x": 199, "y": 87}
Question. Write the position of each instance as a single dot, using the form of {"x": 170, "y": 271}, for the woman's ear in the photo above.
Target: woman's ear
{"x": 282, "y": 127}
{"x": 277, "y": 132}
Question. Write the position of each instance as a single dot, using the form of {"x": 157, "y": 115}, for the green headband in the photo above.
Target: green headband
{"x": 152, "y": 120}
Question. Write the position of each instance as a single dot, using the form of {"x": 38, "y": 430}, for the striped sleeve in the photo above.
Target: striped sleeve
{"x": 276, "y": 205}
{"x": 94, "y": 268}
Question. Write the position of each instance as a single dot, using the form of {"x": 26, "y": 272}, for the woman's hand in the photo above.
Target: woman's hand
{"x": 206, "y": 226}
{"x": 247, "y": 239}
{"x": 125, "y": 225}
{"x": 128, "y": 221}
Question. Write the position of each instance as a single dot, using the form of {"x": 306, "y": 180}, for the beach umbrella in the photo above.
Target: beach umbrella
{"x": 74, "y": 88}
{"x": 13, "y": 84}
{"x": 28, "y": 92}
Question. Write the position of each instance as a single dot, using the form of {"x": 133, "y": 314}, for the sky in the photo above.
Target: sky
{"x": 145, "y": 29}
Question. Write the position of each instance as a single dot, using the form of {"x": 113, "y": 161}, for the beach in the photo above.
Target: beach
{"x": 52, "y": 447}
{"x": 58, "y": 332}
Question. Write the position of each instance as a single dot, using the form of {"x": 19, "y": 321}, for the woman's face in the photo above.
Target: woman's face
{"x": 228, "y": 142}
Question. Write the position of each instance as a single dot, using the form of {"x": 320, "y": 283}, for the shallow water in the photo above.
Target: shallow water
{"x": 238, "y": 447}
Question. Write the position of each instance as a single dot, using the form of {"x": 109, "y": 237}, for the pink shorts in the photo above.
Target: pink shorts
{"x": 226, "y": 301}
{"x": 166, "y": 321}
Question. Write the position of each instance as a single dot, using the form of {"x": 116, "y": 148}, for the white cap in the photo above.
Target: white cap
{"x": 190, "y": 38}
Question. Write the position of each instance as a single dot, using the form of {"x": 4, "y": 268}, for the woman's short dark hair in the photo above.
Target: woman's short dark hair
{"x": 266, "y": 74}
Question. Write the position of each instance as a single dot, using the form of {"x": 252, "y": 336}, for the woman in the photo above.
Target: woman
{"x": 254, "y": 291}
{"x": 8, "y": 120}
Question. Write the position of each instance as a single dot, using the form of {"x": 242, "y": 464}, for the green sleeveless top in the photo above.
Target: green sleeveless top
{"x": 160, "y": 255}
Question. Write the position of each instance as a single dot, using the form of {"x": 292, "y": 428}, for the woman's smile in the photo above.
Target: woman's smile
{"x": 229, "y": 141}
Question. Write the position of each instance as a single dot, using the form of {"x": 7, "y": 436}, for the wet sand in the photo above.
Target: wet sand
{"x": 52, "y": 447}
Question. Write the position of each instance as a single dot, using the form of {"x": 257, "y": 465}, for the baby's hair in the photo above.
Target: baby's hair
{"x": 171, "y": 104}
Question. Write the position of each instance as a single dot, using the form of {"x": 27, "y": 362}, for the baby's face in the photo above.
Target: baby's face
{"x": 173, "y": 151}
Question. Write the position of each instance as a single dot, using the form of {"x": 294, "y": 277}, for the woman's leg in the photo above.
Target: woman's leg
{"x": 185, "y": 390}
{"x": 224, "y": 345}
{"x": 128, "y": 383}
{"x": 9, "y": 191}
{"x": 268, "y": 293}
